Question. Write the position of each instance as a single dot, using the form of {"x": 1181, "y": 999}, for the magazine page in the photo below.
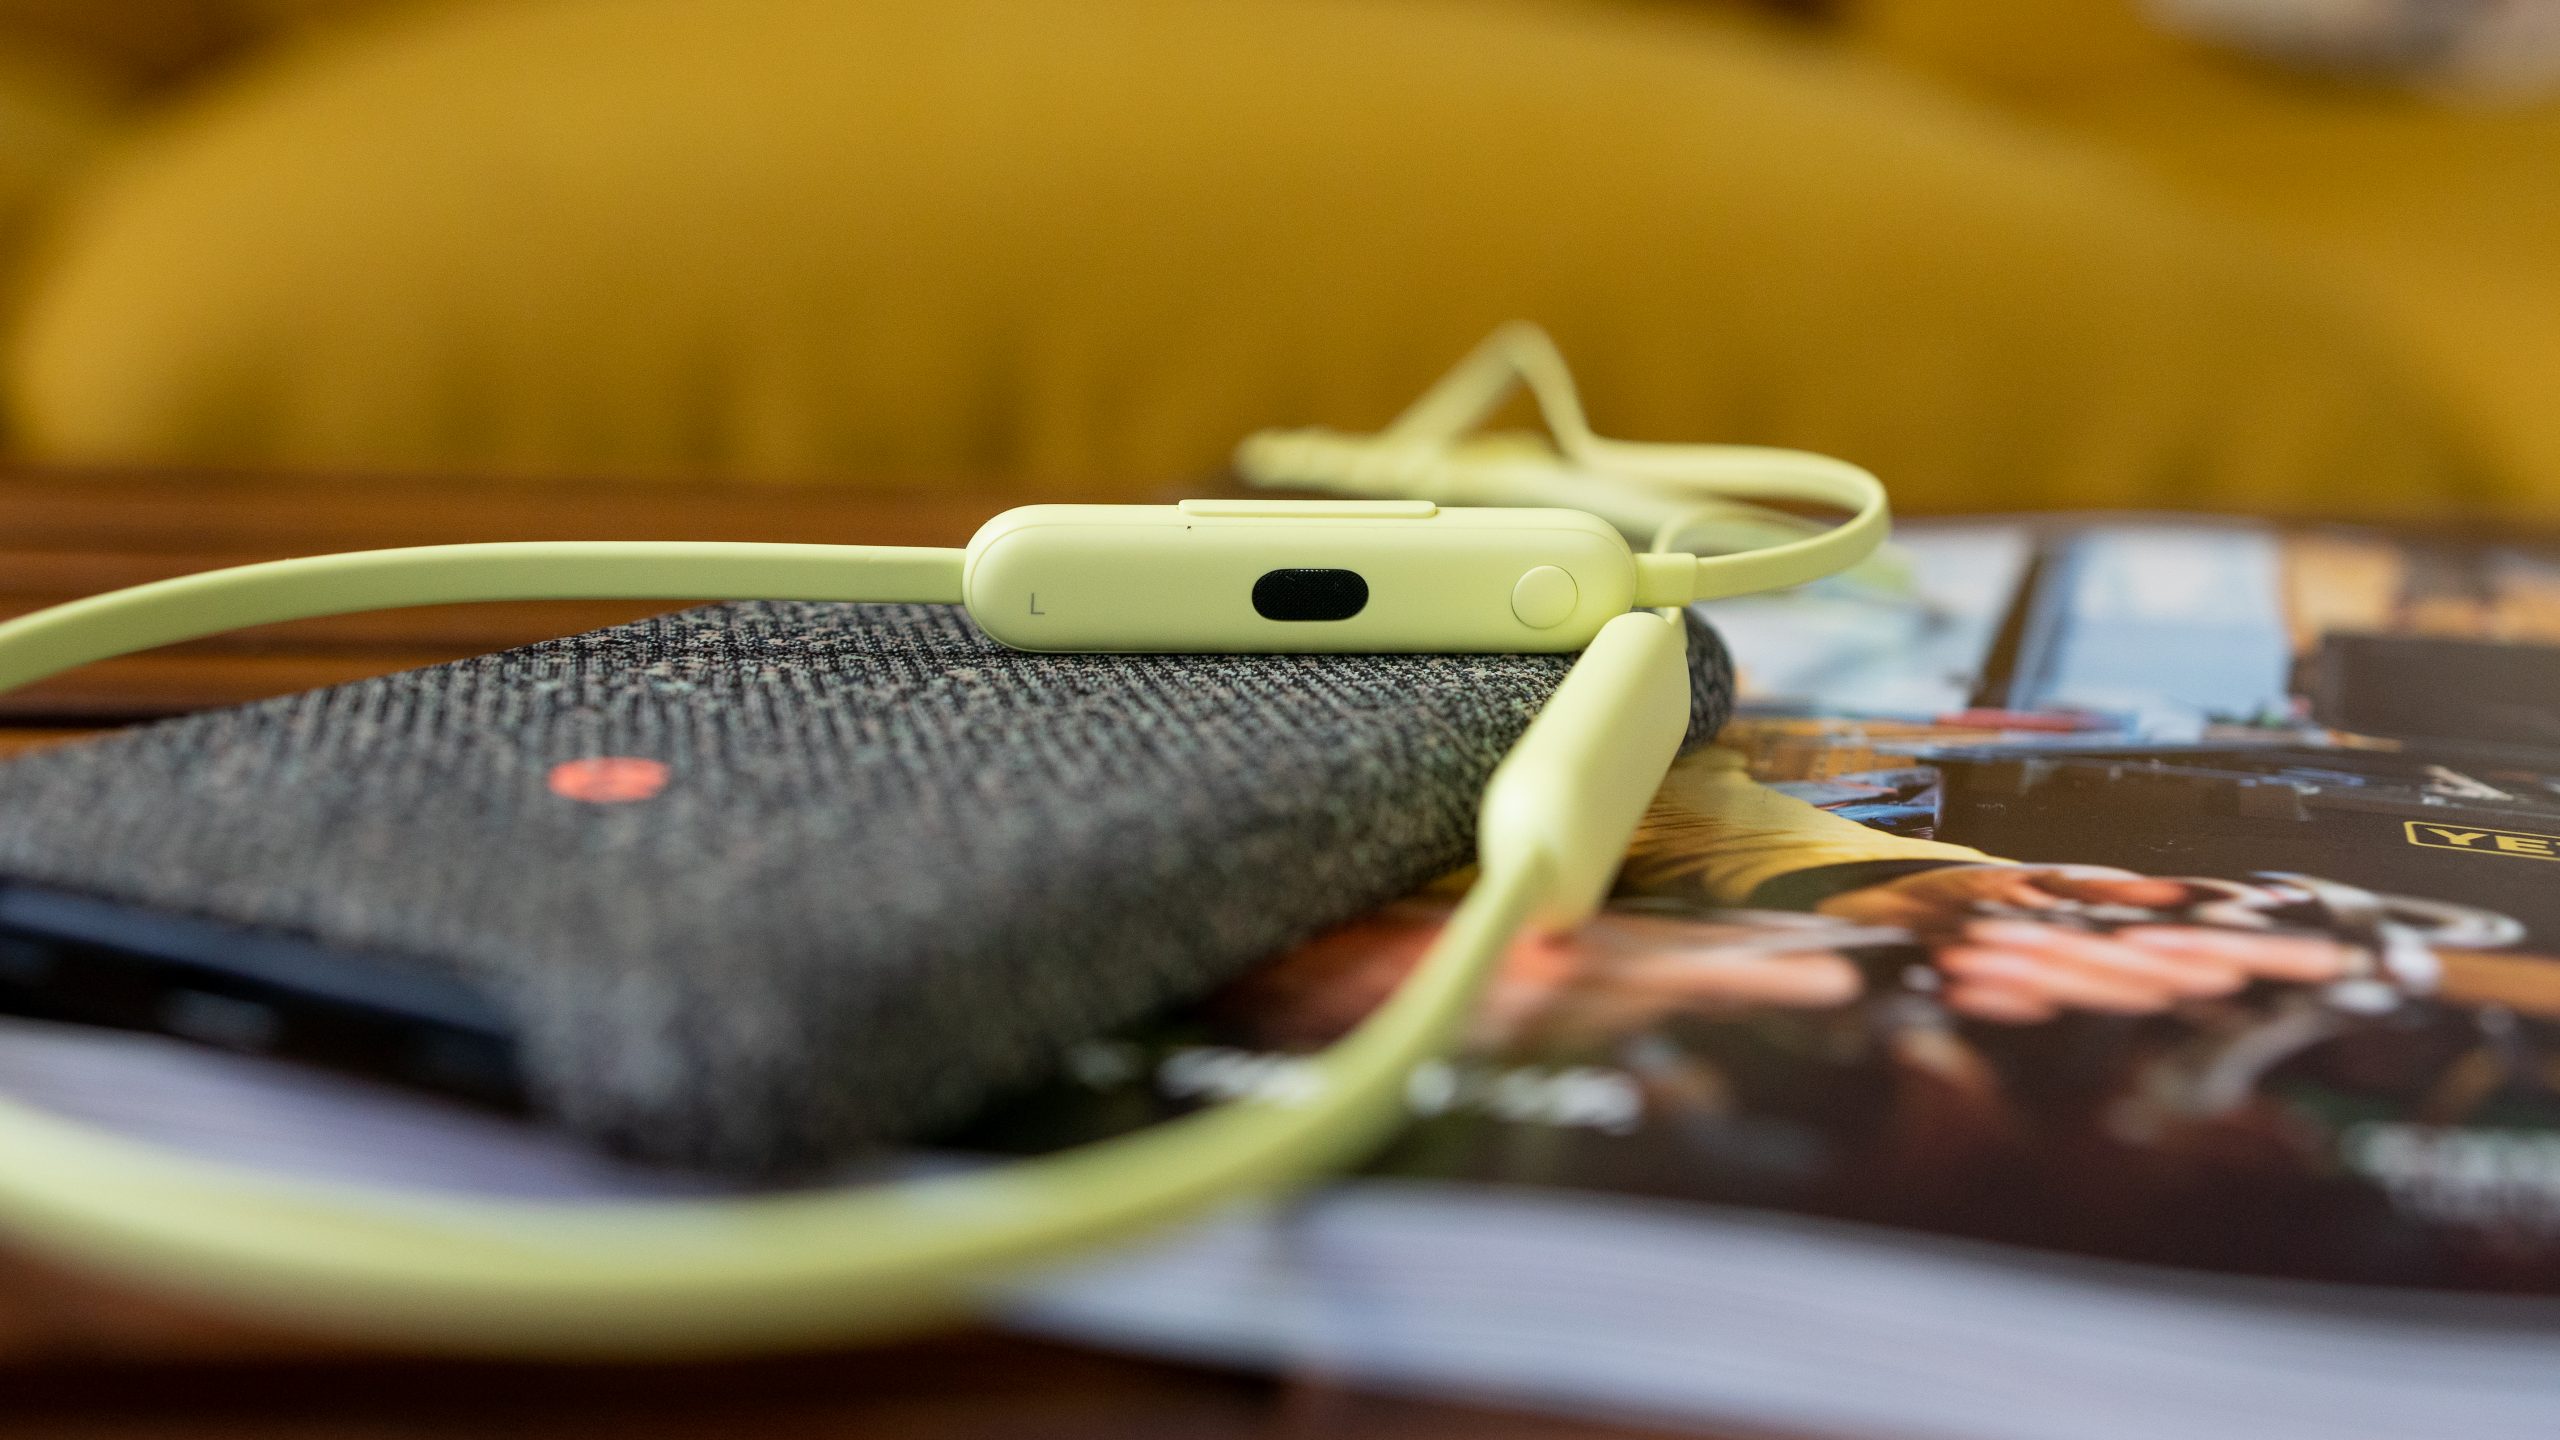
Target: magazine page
{"x": 2161, "y": 891}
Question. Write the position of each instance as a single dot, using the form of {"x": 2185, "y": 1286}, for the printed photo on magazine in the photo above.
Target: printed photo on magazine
{"x": 2159, "y": 891}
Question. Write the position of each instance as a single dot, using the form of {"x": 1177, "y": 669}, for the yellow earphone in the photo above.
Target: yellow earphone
{"x": 1470, "y": 557}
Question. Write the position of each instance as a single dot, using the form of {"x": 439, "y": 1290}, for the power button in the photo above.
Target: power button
{"x": 1545, "y": 598}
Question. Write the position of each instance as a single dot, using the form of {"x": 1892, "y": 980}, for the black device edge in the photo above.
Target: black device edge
{"x": 83, "y": 960}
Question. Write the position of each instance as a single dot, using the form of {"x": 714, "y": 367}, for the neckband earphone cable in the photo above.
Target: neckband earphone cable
{"x": 1433, "y": 451}
{"x": 692, "y": 1276}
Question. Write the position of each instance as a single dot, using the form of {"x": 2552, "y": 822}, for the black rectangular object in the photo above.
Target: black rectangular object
{"x": 2437, "y": 687}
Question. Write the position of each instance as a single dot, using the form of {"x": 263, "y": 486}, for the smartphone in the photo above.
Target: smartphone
{"x": 751, "y": 887}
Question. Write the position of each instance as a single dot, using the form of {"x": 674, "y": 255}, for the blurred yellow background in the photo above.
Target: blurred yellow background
{"x": 2007, "y": 253}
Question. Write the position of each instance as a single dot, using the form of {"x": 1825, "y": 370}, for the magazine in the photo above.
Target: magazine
{"x": 2175, "y": 896}
{"x": 2105, "y": 982}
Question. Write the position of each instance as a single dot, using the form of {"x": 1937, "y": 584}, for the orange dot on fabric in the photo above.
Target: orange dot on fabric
{"x": 609, "y": 779}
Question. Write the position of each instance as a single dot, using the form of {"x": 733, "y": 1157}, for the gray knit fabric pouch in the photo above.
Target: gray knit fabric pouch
{"x": 897, "y": 867}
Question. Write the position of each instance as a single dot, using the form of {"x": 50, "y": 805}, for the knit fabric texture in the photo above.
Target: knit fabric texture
{"x": 894, "y": 869}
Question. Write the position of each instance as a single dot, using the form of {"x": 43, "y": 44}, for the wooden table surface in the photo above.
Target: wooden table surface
{"x": 80, "y": 1358}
